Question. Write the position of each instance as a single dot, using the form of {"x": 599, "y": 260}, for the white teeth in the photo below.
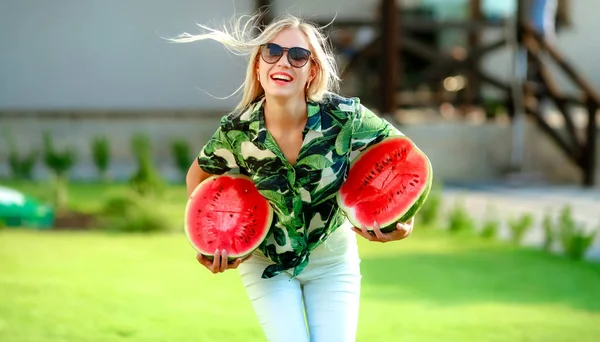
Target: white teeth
{"x": 281, "y": 77}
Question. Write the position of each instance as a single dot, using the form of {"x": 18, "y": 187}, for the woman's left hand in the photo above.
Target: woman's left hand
{"x": 402, "y": 231}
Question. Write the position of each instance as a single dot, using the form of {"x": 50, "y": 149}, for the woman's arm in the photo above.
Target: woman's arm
{"x": 195, "y": 176}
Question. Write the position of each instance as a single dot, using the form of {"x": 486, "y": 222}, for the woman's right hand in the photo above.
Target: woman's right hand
{"x": 220, "y": 263}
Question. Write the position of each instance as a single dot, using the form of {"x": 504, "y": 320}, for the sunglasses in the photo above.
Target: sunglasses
{"x": 297, "y": 56}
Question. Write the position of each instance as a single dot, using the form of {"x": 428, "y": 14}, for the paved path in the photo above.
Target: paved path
{"x": 513, "y": 201}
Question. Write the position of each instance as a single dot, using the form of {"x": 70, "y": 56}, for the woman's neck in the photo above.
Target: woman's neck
{"x": 285, "y": 114}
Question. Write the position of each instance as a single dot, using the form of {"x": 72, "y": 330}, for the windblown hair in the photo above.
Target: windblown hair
{"x": 239, "y": 40}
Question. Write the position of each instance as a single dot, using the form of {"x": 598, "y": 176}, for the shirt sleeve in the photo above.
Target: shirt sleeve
{"x": 218, "y": 155}
{"x": 368, "y": 129}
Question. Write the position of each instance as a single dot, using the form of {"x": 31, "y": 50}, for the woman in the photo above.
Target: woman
{"x": 295, "y": 138}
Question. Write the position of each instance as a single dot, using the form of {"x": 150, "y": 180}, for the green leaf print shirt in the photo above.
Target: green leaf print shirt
{"x": 302, "y": 195}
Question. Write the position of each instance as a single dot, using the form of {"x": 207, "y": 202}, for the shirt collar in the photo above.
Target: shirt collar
{"x": 314, "y": 116}
{"x": 258, "y": 131}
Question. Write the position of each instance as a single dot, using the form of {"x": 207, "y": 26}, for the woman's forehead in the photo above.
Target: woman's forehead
{"x": 291, "y": 37}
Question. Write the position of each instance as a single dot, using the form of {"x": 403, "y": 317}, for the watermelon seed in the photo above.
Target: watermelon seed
{"x": 230, "y": 215}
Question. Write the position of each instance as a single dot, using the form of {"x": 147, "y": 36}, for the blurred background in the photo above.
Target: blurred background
{"x": 100, "y": 117}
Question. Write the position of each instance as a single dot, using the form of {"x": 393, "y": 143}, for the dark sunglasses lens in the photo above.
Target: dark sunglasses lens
{"x": 298, "y": 57}
{"x": 271, "y": 53}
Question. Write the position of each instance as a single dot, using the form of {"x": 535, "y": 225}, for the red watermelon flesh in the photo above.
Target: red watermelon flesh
{"x": 227, "y": 212}
{"x": 388, "y": 182}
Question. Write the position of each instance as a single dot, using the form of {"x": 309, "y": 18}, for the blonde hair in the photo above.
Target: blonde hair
{"x": 239, "y": 40}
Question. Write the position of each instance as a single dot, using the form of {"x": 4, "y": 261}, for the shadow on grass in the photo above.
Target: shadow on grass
{"x": 509, "y": 276}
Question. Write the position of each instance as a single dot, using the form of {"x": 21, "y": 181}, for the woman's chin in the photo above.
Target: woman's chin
{"x": 281, "y": 92}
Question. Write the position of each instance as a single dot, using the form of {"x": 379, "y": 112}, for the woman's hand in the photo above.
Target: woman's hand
{"x": 402, "y": 231}
{"x": 220, "y": 263}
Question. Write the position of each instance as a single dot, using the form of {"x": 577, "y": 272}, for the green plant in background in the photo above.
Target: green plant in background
{"x": 20, "y": 167}
{"x": 59, "y": 162}
{"x": 430, "y": 211}
{"x": 132, "y": 213}
{"x": 574, "y": 238}
{"x": 146, "y": 180}
{"x": 101, "y": 156}
{"x": 182, "y": 156}
{"x": 491, "y": 224}
{"x": 459, "y": 219}
{"x": 490, "y": 229}
{"x": 549, "y": 232}
{"x": 518, "y": 227}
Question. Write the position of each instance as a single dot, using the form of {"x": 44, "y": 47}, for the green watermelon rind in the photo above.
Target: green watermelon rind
{"x": 233, "y": 257}
{"x": 411, "y": 211}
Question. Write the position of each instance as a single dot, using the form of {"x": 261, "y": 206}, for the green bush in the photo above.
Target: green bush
{"x": 59, "y": 162}
{"x": 491, "y": 224}
{"x": 490, "y": 228}
{"x": 101, "y": 155}
{"x": 182, "y": 156}
{"x": 459, "y": 219}
{"x": 574, "y": 238}
{"x": 518, "y": 227}
{"x": 132, "y": 213}
{"x": 146, "y": 180}
{"x": 549, "y": 232}
{"x": 430, "y": 211}
{"x": 20, "y": 167}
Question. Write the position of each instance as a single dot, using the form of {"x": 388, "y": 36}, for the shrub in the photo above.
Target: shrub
{"x": 181, "y": 156}
{"x": 490, "y": 229}
{"x": 429, "y": 212}
{"x": 146, "y": 179}
{"x": 20, "y": 167}
{"x": 132, "y": 213}
{"x": 549, "y": 232}
{"x": 59, "y": 162}
{"x": 574, "y": 237}
{"x": 518, "y": 227}
{"x": 491, "y": 225}
{"x": 101, "y": 156}
{"x": 459, "y": 219}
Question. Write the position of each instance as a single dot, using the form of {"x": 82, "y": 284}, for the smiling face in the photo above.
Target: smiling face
{"x": 281, "y": 79}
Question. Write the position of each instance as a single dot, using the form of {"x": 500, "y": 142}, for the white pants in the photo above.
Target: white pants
{"x": 324, "y": 296}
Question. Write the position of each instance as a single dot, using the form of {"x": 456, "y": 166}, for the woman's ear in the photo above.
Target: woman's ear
{"x": 313, "y": 72}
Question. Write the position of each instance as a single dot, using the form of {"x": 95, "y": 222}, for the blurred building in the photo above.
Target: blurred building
{"x": 86, "y": 68}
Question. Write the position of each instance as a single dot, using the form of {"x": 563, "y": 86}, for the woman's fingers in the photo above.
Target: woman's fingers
{"x": 378, "y": 232}
{"x": 224, "y": 262}
{"x": 220, "y": 262}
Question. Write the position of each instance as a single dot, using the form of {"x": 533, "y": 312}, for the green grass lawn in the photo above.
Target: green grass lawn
{"x": 94, "y": 286}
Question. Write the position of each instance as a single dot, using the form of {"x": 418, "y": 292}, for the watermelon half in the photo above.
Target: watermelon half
{"x": 227, "y": 212}
{"x": 388, "y": 182}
